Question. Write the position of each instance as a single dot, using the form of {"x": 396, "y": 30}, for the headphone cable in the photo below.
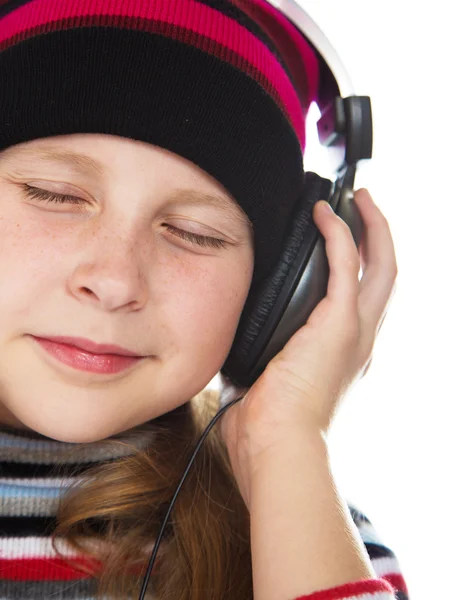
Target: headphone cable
{"x": 163, "y": 525}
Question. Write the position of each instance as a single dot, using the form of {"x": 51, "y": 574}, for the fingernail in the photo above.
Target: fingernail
{"x": 368, "y": 195}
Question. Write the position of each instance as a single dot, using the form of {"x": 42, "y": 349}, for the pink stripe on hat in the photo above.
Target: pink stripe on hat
{"x": 189, "y": 15}
{"x": 290, "y": 36}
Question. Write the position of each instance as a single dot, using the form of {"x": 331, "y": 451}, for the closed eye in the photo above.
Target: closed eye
{"x": 51, "y": 197}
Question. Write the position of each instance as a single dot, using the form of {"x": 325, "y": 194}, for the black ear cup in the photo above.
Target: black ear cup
{"x": 267, "y": 302}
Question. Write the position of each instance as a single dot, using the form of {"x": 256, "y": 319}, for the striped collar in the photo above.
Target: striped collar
{"x": 27, "y": 446}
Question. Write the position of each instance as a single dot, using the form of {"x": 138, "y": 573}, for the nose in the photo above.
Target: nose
{"x": 109, "y": 273}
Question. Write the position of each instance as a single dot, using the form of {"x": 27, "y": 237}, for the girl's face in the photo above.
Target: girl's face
{"x": 112, "y": 270}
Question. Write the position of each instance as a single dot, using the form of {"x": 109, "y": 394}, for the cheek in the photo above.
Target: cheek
{"x": 207, "y": 308}
{"x": 29, "y": 259}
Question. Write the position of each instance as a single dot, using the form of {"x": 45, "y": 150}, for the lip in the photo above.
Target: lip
{"x": 92, "y": 347}
{"x": 84, "y": 360}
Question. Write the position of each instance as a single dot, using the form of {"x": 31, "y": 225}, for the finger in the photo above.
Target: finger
{"x": 378, "y": 261}
{"x": 367, "y": 367}
{"x": 386, "y": 308}
{"x": 343, "y": 258}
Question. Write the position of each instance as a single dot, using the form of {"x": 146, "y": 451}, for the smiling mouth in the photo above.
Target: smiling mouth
{"x": 84, "y": 360}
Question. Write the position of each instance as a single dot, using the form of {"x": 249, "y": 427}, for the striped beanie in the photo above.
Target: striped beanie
{"x": 224, "y": 83}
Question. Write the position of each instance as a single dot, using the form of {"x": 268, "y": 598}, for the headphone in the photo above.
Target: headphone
{"x": 282, "y": 304}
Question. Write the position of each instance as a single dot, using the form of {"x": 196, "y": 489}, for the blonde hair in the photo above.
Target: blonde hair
{"x": 115, "y": 513}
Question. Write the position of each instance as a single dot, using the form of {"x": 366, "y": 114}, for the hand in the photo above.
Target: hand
{"x": 302, "y": 386}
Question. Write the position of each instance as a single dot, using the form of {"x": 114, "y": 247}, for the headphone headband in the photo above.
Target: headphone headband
{"x": 345, "y": 126}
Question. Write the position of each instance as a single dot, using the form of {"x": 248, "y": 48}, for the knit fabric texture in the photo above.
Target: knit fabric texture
{"x": 35, "y": 472}
{"x": 203, "y": 79}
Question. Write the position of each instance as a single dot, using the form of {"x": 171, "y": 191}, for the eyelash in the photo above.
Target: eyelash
{"x": 45, "y": 196}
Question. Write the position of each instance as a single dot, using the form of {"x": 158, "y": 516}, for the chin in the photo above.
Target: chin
{"x": 71, "y": 437}
{"x": 66, "y": 433}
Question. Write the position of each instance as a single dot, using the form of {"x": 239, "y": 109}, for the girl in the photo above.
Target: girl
{"x": 151, "y": 158}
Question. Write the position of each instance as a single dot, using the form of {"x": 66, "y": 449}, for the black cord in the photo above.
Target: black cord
{"x": 160, "y": 535}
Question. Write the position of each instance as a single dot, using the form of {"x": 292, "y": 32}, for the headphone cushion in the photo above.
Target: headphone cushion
{"x": 302, "y": 232}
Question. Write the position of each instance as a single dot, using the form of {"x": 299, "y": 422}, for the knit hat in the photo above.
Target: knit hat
{"x": 225, "y": 84}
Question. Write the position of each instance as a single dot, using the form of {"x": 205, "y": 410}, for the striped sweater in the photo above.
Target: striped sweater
{"x": 29, "y": 494}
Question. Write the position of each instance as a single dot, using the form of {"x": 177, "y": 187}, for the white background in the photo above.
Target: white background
{"x": 392, "y": 444}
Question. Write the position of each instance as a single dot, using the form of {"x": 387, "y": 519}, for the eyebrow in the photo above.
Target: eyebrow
{"x": 82, "y": 163}
{"x": 79, "y": 162}
{"x": 222, "y": 204}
